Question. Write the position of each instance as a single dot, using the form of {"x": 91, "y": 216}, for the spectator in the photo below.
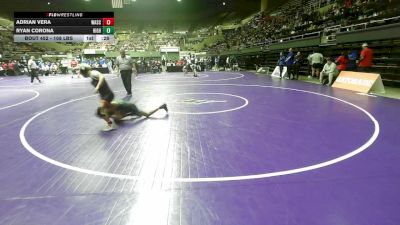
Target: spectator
{"x": 328, "y": 70}
{"x": 164, "y": 63}
{"x": 5, "y": 68}
{"x": 316, "y": 60}
{"x": 289, "y": 61}
{"x": 74, "y": 66}
{"x": 64, "y": 66}
{"x": 281, "y": 63}
{"x": 11, "y": 71}
{"x": 366, "y": 57}
{"x": 1, "y": 71}
{"x": 53, "y": 68}
{"x": 216, "y": 60}
{"x": 352, "y": 61}
{"x": 298, "y": 60}
{"x": 341, "y": 62}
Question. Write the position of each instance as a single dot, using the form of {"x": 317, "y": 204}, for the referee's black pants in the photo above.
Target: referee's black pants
{"x": 126, "y": 76}
{"x": 34, "y": 74}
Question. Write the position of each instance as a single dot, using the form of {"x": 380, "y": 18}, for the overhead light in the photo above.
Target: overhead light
{"x": 48, "y": 3}
{"x": 179, "y": 0}
{"x": 223, "y": 3}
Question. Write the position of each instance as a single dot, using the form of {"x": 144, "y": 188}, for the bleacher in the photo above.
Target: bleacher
{"x": 386, "y": 58}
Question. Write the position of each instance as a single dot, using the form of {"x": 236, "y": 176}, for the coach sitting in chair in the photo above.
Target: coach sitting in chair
{"x": 330, "y": 71}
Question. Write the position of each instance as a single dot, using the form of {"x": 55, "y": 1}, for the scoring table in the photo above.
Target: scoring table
{"x": 64, "y": 26}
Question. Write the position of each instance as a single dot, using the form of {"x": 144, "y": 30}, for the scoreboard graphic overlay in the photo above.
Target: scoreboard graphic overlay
{"x": 64, "y": 26}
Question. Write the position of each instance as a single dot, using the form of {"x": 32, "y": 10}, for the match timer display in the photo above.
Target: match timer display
{"x": 64, "y": 26}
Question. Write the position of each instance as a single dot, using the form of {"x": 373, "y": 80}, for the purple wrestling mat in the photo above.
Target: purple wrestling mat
{"x": 235, "y": 149}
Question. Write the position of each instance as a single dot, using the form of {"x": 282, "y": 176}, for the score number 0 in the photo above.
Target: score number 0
{"x": 108, "y": 21}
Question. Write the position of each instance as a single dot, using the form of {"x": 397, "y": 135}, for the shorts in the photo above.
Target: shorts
{"x": 128, "y": 109}
{"x": 317, "y": 66}
{"x": 109, "y": 97}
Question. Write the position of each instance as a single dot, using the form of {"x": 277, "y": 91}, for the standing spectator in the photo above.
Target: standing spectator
{"x": 281, "y": 63}
{"x": 163, "y": 64}
{"x": 352, "y": 64}
{"x": 227, "y": 63}
{"x": 216, "y": 60}
{"x": 289, "y": 61}
{"x": 328, "y": 70}
{"x": 102, "y": 61}
{"x": 124, "y": 64}
{"x": 341, "y": 62}
{"x": 1, "y": 71}
{"x": 64, "y": 65}
{"x": 74, "y": 66}
{"x": 54, "y": 68}
{"x": 46, "y": 69}
{"x": 298, "y": 60}
{"x": 366, "y": 57}
{"x": 33, "y": 69}
{"x": 5, "y": 67}
{"x": 316, "y": 60}
{"x": 11, "y": 70}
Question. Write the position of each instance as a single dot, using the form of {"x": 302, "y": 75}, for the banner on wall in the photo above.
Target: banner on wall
{"x": 169, "y": 49}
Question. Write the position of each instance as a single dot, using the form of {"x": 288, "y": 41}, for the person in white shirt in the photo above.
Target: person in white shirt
{"x": 125, "y": 67}
{"x": 64, "y": 66}
{"x": 33, "y": 69}
{"x": 329, "y": 70}
{"x": 54, "y": 68}
{"x": 316, "y": 59}
{"x": 227, "y": 63}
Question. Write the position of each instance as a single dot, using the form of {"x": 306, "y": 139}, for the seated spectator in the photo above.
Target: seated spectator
{"x": 330, "y": 71}
{"x": 341, "y": 62}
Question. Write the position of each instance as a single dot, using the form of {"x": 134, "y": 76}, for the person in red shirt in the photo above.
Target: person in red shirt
{"x": 366, "y": 57}
{"x": 5, "y": 68}
{"x": 341, "y": 62}
{"x": 74, "y": 65}
{"x": 11, "y": 70}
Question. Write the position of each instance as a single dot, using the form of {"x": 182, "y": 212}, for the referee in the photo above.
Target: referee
{"x": 33, "y": 69}
{"x": 124, "y": 64}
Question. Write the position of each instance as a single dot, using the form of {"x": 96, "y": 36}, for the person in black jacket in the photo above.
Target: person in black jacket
{"x": 298, "y": 60}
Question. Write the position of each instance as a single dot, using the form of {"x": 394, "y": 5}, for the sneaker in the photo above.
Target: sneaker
{"x": 164, "y": 106}
{"x": 109, "y": 127}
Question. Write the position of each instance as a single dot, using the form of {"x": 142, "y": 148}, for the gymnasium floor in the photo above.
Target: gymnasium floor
{"x": 235, "y": 149}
